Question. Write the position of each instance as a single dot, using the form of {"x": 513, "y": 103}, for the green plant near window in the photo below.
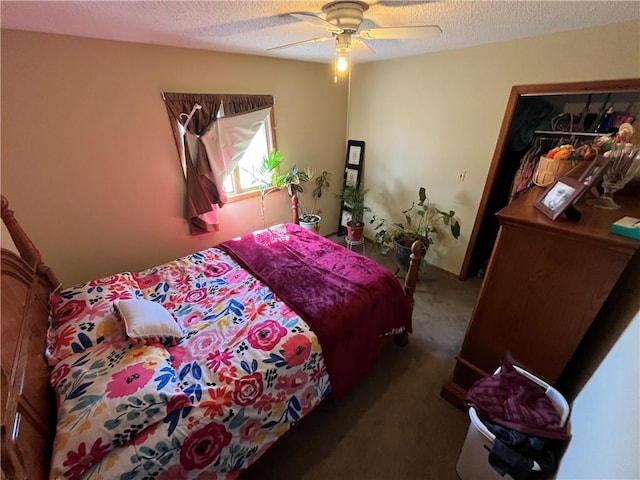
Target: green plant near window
{"x": 265, "y": 177}
{"x": 422, "y": 221}
{"x": 293, "y": 181}
{"x": 322, "y": 182}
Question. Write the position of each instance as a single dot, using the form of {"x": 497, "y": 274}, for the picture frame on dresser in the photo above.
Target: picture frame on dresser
{"x": 559, "y": 197}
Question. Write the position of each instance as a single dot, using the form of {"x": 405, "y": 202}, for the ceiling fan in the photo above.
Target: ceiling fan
{"x": 343, "y": 19}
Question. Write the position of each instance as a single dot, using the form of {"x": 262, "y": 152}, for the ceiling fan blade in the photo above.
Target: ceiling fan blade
{"x": 360, "y": 41}
{"x": 310, "y": 17}
{"x": 295, "y": 44}
{"x": 404, "y": 33}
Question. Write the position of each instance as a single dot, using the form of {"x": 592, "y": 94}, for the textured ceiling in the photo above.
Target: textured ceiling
{"x": 254, "y": 26}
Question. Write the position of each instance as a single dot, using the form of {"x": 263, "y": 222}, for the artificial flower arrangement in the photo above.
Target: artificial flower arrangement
{"x": 600, "y": 146}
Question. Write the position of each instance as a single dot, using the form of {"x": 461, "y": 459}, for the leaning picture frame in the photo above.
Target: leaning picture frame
{"x": 353, "y": 168}
{"x": 351, "y": 176}
{"x": 592, "y": 176}
{"x": 355, "y": 154}
{"x": 559, "y": 197}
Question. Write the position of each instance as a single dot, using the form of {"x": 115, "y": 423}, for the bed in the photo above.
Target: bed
{"x": 189, "y": 369}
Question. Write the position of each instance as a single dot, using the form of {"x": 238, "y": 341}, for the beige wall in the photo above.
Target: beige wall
{"x": 425, "y": 118}
{"x": 605, "y": 417}
{"x": 602, "y": 380}
{"x": 87, "y": 152}
{"x": 88, "y": 159}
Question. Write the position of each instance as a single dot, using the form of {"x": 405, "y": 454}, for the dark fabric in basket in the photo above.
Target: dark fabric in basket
{"x": 514, "y": 453}
{"x": 513, "y": 401}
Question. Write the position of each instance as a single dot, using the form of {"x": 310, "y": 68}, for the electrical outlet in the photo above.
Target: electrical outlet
{"x": 460, "y": 175}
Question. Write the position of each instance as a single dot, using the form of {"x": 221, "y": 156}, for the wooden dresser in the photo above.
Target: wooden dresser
{"x": 545, "y": 283}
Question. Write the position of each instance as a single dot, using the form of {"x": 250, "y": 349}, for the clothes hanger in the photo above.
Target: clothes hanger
{"x": 580, "y": 127}
{"x": 197, "y": 106}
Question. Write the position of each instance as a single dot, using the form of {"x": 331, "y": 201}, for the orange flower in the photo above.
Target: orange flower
{"x": 220, "y": 397}
{"x": 227, "y": 375}
{"x": 252, "y": 311}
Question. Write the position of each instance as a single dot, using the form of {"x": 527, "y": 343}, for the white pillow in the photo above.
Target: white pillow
{"x": 144, "y": 319}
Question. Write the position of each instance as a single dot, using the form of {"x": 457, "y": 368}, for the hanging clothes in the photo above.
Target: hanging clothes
{"x": 523, "y": 179}
{"x": 533, "y": 114}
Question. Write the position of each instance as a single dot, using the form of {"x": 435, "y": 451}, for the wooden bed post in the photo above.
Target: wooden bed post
{"x": 410, "y": 281}
{"x": 294, "y": 206}
{"x": 26, "y": 248}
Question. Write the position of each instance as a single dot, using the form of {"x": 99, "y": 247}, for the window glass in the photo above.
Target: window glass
{"x": 252, "y": 158}
{"x": 242, "y": 178}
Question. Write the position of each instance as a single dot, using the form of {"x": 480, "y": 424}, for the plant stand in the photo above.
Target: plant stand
{"x": 352, "y": 243}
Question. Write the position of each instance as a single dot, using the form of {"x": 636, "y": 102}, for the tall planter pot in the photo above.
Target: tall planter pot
{"x": 402, "y": 254}
{"x": 355, "y": 231}
{"x": 311, "y": 222}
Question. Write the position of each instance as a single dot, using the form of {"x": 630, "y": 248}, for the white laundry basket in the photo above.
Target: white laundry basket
{"x": 473, "y": 463}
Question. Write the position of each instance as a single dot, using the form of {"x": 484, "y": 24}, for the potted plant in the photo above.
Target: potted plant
{"x": 353, "y": 196}
{"x": 293, "y": 181}
{"x": 321, "y": 182}
{"x": 265, "y": 176}
{"x": 421, "y": 222}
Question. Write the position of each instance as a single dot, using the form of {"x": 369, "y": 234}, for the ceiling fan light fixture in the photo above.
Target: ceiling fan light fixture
{"x": 342, "y": 62}
{"x": 343, "y": 47}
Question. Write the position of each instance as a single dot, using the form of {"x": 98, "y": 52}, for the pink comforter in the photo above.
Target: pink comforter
{"x": 348, "y": 300}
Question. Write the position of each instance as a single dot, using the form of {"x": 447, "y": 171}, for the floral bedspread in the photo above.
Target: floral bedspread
{"x": 349, "y": 301}
{"x": 246, "y": 369}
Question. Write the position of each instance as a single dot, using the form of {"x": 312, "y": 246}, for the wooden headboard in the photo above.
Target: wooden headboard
{"x": 28, "y": 405}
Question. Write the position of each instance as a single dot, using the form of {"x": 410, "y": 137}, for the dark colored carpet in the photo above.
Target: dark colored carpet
{"x": 394, "y": 424}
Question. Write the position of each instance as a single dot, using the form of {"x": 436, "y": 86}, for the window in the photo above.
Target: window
{"x": 241, "y": 182}
{"x": 225, "y": 125}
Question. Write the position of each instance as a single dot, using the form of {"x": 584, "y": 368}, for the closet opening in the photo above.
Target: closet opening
{"x": 538, "y": 118}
